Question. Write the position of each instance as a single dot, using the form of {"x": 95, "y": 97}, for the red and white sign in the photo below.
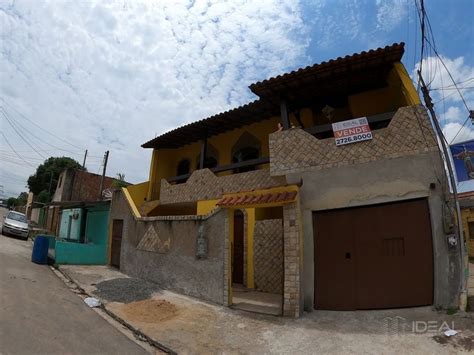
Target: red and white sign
{"x": 351, "y": 131}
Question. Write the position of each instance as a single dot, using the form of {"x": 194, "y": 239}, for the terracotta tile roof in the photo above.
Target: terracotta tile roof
{"x": 371, "y": 66}
{"x": 388, "y": 53}
{"x": 248, "y": 200}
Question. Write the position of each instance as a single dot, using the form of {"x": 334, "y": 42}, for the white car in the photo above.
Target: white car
{"x": 15, "y": 223}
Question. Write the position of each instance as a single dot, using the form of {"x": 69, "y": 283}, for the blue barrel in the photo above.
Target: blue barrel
{"x": 40, "y": 250}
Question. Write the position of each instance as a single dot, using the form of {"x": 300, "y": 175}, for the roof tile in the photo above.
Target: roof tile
{"x": 248, "y": 200}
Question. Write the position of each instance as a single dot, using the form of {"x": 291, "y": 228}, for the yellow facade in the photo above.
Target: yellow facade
{"x": 467, "y": 215}
{"x": 138, "y": 192}
{"x": 398, "y": 92}
{"x": 206, "y": 207}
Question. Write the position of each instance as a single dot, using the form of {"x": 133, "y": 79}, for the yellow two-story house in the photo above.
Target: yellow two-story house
{"x": 265, "y": 207}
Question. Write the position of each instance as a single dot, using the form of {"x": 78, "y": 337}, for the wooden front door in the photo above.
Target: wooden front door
{"x": 373, "y": 257}
{"x": 238, "y": 249}
{"x": 117, "y": 230}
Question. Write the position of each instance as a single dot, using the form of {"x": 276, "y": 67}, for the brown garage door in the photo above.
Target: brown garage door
{"x": 373, "y": 257}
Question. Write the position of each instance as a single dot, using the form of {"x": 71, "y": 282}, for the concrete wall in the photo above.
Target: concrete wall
{"x": 378, "y": 182}
{"x": 35, "y": 214}
{"x": 65, "y": 181}
{"x": 168, "y": 254}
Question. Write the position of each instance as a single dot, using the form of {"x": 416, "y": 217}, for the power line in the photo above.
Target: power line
{"x": 432, "y": 44}
{"x": 50, "y": 133}
{"x": 460, "y": 129}
{"x": 452, "y": 86}
{"x": 21, "y": 136}
{"x": 34, "y": 135}
{"x": 19, "y": 156}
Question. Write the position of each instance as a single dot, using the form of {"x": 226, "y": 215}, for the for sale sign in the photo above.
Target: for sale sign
{"x": 351, "y": 131}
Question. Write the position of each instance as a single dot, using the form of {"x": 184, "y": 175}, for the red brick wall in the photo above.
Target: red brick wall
{"x": 86, "y": 186}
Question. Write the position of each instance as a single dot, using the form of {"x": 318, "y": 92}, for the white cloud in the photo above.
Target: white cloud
{"x": 463, "y": 133}
{"x": 390, "y": 13}
{"x": 447, "y": 101}
{"x": 112, "y": 74}
{"x": 332, "y": 22}
{"x": 453, "y": 113}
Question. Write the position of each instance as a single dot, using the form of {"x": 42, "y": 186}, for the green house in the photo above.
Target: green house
{"x": 83, "y": 234}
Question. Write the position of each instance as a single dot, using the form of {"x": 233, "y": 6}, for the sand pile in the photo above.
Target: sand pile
{"x": 150, "y": 310}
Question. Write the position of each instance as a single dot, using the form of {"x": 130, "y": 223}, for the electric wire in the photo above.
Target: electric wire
{"x": 422, "y": 15}
{"x": 21, "y": 135}
{"x": 35, "y": 124}
{"x": 37, "y": 137}
{"x": 19, "y": 156}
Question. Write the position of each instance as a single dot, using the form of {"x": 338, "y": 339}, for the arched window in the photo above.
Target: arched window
{"x": 183, "y": 167}
{"x": 246, "y": 148}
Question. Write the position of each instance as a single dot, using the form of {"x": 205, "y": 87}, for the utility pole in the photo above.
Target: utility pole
{"x": 429, "y": 105}
{"x": 106, "y": 158}
{"x": 84, "y": 162}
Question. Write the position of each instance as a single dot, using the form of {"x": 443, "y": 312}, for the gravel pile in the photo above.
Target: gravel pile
{"x": 125, "y": 290}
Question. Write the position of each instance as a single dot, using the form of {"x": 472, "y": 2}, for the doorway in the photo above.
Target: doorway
{"x": 257, "y": 261}
{"x": 238, "y": 249}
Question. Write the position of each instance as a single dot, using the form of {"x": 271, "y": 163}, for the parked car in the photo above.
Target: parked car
{"x": 15, "y": 223}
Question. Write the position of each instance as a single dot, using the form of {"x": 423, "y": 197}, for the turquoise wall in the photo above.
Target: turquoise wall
{"x": 80, "y": 254}
{"x": 97, "y": 226}
{"x": 95, "y": 249}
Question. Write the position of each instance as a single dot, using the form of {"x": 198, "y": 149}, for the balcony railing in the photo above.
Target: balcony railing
{"x": 375, "y": 122}
{"x": 245, "y": 164}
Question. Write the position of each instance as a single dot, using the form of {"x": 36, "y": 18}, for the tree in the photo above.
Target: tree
{"x": 43, "y": 197}
{"x": 48, "y": 173}
{"x": 18, "y": 201}
{"x": 11, "y": 202}
{"x": 119, "y": 182}
{"x": 22, "y": 199}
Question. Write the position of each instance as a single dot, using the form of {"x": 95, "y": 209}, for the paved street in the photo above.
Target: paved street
{"x": 39, "y": 314}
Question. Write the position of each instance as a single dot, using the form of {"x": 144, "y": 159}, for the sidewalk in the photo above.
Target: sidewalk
{"x": 189, "y": 326}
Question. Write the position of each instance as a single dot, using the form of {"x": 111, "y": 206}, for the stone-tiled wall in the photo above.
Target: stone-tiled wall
{"x": 164, "y": 250}
{"x": 292, "y": 261}
{"x": 408, "y": 133}
{"x": 205, "y": 185}
{"x": 268, "y": 255}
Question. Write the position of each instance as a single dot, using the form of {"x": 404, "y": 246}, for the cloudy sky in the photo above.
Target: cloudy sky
{"x": 112, "y": 74}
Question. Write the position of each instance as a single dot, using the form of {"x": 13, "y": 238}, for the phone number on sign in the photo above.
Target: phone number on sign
{"x": 354, "y": 138}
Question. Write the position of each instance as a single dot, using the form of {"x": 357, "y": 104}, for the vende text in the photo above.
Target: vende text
{"x": 351, "y": 131}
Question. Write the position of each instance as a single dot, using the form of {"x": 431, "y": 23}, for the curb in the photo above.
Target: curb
{"x": 139, "y": 335}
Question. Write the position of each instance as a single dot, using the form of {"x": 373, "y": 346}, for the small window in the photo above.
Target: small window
{"x": 183, "y": 167}
{"x": 471, "y": 230}
{"x": 245, "y": 154}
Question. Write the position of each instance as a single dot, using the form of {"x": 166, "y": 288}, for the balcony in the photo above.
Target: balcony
{"x": 405, "y": 132}
{"x": 204, "y": 184}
